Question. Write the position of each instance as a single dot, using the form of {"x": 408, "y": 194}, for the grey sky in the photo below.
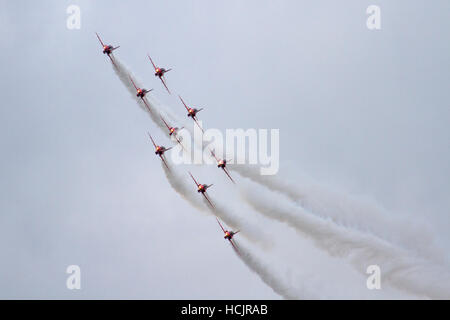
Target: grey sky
{"x": 365, "y": 112}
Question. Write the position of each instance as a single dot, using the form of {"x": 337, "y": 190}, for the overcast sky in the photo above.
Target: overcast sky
{"x": 366, "y": 112}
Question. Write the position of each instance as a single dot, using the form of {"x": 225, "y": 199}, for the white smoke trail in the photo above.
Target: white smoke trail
{"x": 355, "y": 213}
{"x": 177, "y": 181}
{"x": 124, "y": 75}
{"x": 341, "y": 209}
{"x": 268, "y": 276}
{"x": 186, "y": 190}
{"x": 155, "y": 108}
{"x": 398, "y": 273}
{"x": 399, "y": 269}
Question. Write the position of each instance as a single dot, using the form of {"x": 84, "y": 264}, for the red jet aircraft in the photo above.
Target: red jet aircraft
{"x": 159, "y": 72}
{"x": 173, "y": 131}
{"x": 222, "y": 163}
{"x": 192, "y": 112}
{"x": 202, "y": 188}
{"x": 228, "y": 235}
{"x": 159, "y": 150}
{"x": 141, "y": 93}
{"x": 107, "y": 49}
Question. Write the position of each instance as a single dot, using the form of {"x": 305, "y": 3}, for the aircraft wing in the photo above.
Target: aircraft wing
{"x": 195, "y": 119}
{"x": 168, "y": 127}
{"x": 112, "y": 60}
{"x": 98, "y": 37}
{"x": 184, "y": 103}
{"x": 214, "y": 155}
{"x": 226, "y": 171}
{"x": 193, "y": 179}
{"x": 152, "y": 140}
{"x": 115, "y": 48}
{"x": 164, "y": 83}
{"x": 133, "y": 83}
{"x": 207, "y": 199}
{"x": 151, "y": 61}
{"x": 148, "y": 108}
{"x": 164, "y": 161}
{"x": 178, "y": 140}
{"x": 234, "y": 247}
{"x": 223, "y": 229}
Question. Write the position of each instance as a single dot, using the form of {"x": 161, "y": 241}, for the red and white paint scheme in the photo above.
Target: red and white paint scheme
{"x": 159, "y": 72}
{"x": 160, "y": 150}
{"x": 107, "y": 49}
{"x": 202, "y": 189}
{"x": 192, "y": 112}
{"x": 222, "y": 163}
{"x": 228, "y": 235}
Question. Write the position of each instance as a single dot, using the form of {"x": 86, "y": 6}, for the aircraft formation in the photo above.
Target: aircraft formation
{"x": 173, "y": 132}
